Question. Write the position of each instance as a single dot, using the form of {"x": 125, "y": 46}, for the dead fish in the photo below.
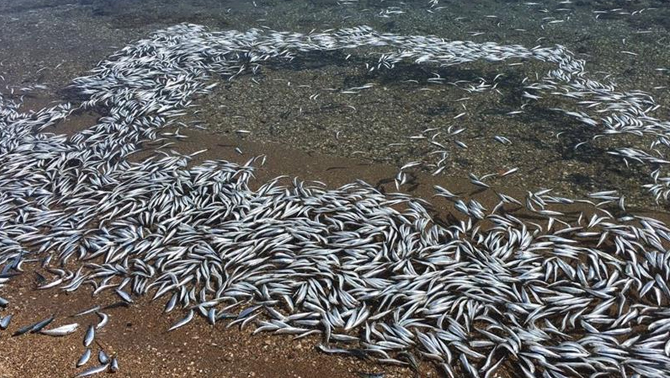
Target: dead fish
{"x": 90, "y": 335}
{"x": 50, "y": 284}
{"x": 211, "y": 316}
{"x": 90, "y": 310}
{"x": 125, "y": 296}
{"x": 4, "y": 322}
{"x": 103, "y": 357}
{"x": 114, "y": 367}
{"x": 371, "y": 375}
{"x": 247, "y": 311}
{"x": 84, "y": 358}
{"x": 171, "y": 303}
{"x": 92, "y": 371}
{"x": 104, "y": 319}
{"x": 61, "y": 331}
{"x": 32, "y": 328}
{"x": 509, "y": 172}
{"x": 182, "y": 322}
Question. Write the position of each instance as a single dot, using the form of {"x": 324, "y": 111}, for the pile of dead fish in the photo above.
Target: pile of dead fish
{"x": 377, "y": 275}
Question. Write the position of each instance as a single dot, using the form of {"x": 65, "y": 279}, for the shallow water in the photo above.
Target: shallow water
{"x": 46, "y": 42}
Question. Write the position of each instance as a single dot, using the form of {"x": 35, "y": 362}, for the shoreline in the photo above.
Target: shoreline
{"x": 338, "y": 139}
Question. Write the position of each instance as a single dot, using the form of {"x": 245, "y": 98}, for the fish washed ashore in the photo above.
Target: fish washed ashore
{"x": 530, "y": 287}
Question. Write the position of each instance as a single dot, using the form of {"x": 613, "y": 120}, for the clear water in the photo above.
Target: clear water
{"x": 621, "y": 42}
